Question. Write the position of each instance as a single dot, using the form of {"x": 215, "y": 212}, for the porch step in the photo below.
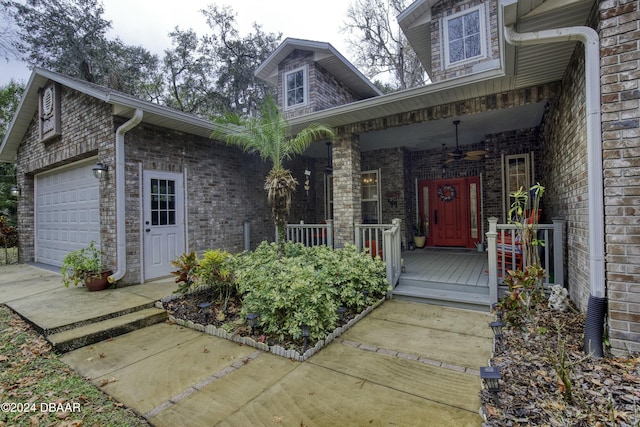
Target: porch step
{"x": 478, "y": 299}
{"x": 101, "y": 330}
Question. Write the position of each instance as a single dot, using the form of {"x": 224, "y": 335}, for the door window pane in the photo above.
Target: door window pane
{"x": 163, "y": 205}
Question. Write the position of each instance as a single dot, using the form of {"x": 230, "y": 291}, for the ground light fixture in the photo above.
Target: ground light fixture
{"x": 252, "y": 320}
{"x": 100, "y": 170}
{"x": 496, "y": 327}
{"x": 306, "y": 331}
{"x": 341, "y": 311}
{"x": 205, "y": 308}
{"x": 490, "y": 376}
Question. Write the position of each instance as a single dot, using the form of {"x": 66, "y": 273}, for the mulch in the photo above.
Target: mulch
{"x": 600, "y": 391}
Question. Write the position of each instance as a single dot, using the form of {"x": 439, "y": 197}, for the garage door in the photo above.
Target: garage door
{"x": 67, "y": 212}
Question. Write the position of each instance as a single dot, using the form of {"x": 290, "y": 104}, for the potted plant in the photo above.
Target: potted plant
{"x": 84, "y": 266}
{"x": 419, "y": 237}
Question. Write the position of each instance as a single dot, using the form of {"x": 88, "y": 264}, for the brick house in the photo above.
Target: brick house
{"x": 549, "y": 90}
{"x": 180, "y": 190}
{"x": 514, "y": 73}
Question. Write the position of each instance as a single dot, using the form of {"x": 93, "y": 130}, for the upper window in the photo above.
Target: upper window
{"x": 464, "y": 33}
{"x": 295, "y": 87}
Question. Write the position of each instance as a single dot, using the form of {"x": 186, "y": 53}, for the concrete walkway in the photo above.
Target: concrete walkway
{"x": 405, "y": 364}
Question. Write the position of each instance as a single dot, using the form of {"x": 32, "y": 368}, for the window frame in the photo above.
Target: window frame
{"x": 483, "y": 37}
{"x": 305, "y": 87}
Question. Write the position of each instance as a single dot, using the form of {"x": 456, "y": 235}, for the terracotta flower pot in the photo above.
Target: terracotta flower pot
{"x": 97, "y": 283}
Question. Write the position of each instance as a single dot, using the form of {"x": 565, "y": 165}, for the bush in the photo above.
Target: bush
{"x": 214, "y": 273}
{"x": 305, "y": 286}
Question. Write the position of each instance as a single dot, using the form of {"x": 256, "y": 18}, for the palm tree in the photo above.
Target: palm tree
{"x": 268, "y": 134}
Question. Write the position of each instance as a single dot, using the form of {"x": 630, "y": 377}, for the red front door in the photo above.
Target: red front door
{"x": 448, "y": 211}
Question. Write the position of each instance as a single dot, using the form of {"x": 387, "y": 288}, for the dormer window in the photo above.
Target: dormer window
{"x": 464, "y": 33}
{"x": 296, "y": 87}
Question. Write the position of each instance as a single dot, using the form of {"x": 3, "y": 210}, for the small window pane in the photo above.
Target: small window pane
{"x": 472, "y": 47}
{"x": 154, "y": 218}
{"x": 455, "y": 29}
{"x": 163, "y": 218}
{"x": 472, "y": 23}
{"x": 456, "y": 51}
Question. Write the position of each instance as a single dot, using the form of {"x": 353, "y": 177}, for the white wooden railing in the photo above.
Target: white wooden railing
{"x": 385, "y": 241}
{"x": 506, "y": 253}
{"x": 310, "y": 234}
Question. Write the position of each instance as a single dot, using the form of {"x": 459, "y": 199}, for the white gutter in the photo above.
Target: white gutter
{"x": 589, "y": 37}
{"x": 121, "y": 237}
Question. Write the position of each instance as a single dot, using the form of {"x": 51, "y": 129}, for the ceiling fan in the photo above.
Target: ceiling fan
{"x": 458, "y": 154}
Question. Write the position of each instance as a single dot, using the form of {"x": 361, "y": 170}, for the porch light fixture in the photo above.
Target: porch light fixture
{"x": 205, "y": 308}
{"x": 100, "y": 170}
{"x": 490, "y": 376}
{"x": 306, "y": 332}
{"x": 252, "y": 320}
{"x": 14, "y": 191}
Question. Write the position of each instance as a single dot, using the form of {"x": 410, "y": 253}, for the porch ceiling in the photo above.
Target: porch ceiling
{"x": 427, "y": 135}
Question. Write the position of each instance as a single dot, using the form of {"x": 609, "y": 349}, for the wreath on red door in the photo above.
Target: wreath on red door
{"x": 447, "y": 193}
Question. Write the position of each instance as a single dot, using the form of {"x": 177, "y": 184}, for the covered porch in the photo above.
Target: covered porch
{"x": 456, "y": 277}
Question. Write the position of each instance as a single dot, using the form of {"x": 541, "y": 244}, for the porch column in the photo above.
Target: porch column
{"x": 347, "y": 208}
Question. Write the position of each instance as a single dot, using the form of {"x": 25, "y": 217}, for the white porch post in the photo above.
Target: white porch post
{"x": 492, "y": 252}
{"x": 558, "y": 251}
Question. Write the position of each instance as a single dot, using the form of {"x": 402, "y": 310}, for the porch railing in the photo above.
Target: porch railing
{"x": 383, "y": 240}
{"x": 506, "y": 253}
{"x": 310, "y": 234}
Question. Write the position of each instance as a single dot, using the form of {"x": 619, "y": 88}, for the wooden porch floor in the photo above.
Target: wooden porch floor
{"x": 455, "y": 277}
{"x": 452, "y": 266}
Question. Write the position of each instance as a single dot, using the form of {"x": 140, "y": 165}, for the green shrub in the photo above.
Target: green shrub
{"x": 213, "y": 272}
{"x": 306, "y": 286}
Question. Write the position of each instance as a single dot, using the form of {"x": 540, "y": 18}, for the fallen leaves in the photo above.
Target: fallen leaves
{"x": 605, "y": 391}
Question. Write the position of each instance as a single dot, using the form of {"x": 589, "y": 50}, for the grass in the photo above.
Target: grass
{"x": 38, "y": 389}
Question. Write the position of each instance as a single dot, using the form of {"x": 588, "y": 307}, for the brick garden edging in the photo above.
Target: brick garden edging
{"x": 275, "y": 349}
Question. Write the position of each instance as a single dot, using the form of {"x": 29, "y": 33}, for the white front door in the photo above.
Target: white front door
{"x": 163, "y": 222}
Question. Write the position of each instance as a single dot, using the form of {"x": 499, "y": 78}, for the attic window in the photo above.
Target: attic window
{"x": 464, "y": 35}
{"x": 295, "y": 89}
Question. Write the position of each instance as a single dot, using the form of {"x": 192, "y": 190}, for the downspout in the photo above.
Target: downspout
{"x": 121, "y": 236}
{"x": 597, "y": 299}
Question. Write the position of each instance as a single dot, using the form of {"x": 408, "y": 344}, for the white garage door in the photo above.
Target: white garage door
{"x": 67, "y": 212}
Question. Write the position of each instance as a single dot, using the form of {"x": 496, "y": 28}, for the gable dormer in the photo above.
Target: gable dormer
{"x": 312, "y": 76}
{"x": 453, "y": 38}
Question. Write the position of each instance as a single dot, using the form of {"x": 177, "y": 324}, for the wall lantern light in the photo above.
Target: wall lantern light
{"x": 100, "y": 170}
{"x": 14, "y": 191}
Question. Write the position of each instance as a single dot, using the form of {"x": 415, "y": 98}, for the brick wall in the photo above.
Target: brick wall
{"x": 446, "y": 8}
{"x": 78, "y": 141}
{"x": 225, "y": 186}
{"x": 324, "y": 90}
{"x": 393, "y": 167}
{"x": 619, "y": 27}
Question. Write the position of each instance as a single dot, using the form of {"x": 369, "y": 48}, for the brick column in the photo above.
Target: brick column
{"x": 620, "y": 71}
{"x": 347, "y": 208}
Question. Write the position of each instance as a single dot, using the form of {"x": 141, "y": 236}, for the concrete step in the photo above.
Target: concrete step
{"x": 446, "y": 297}
{"x": 101, "y": 330}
